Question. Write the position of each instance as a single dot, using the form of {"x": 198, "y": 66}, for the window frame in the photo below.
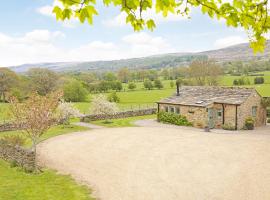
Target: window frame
{"x": 254, "y": 111}
{"x": 177, "y": 110}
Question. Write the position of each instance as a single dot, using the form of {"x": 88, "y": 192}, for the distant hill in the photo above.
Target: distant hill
{"x": 240, "y": 52}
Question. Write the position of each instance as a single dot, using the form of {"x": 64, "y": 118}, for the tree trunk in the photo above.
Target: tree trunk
{"x": 34, "y": 147}
{"x": 4, "y": 97}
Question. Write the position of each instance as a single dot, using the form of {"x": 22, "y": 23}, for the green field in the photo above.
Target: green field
{"x": 15, "y": 184}
{"x": 52, "y": 132}
{"x": 142, "y": 98}
{"x": 126, "y": 122}
{"x": 133, "y": 99}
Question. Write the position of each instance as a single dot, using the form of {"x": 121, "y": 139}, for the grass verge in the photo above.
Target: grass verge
{"x": 52, "y": 132}
{"x": 15, "y": 184}
{"x": 123, "y": 122}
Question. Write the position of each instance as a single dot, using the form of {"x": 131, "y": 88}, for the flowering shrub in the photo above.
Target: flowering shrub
{"x": 100, "y": 105}
{"x": 66, "y": 111}
{"x": 173, "y": 118}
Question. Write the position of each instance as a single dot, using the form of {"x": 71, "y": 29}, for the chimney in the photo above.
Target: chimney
{"x": 177, "y": 88}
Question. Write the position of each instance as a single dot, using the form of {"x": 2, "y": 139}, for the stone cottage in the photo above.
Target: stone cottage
{"x": 216, "y": 106}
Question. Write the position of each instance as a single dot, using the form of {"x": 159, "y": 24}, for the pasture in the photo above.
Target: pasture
{"x": 143, "y": 98}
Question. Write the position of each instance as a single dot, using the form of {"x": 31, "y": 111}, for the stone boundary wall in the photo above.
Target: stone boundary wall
{"x": 8, "y": 126}
{"x": 88, "y": 118}
{"x": 24, "y": 158}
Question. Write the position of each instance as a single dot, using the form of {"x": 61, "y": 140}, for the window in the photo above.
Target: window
{"x": 177, "y": 110}
{"x": 219, "y": 113}
{"x": 172, "y": 109}
{"x": 254, "y": 111}
{"x": 166, "y": 109}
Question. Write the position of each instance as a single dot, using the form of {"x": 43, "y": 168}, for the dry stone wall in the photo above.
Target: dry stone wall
{"x": 24, "y": 158}
{"x": 118, "y": 115}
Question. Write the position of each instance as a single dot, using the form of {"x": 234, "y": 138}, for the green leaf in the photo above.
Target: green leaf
{"x": 58, "y": 12}
{"x": 151, "y": 24}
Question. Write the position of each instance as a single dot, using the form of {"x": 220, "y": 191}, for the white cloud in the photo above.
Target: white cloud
{"x": 142, "y": 44}
{"x": 47, "y": 10}
{"x": 41, "y": 46}
{"x": 229, "y": 41}
{"x": 120, "y": 19}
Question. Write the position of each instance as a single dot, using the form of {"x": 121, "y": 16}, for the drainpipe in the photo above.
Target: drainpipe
{"x": 223, "y": 114}
{"x": 236, "y": 118}
{"x": 177, "y": 88}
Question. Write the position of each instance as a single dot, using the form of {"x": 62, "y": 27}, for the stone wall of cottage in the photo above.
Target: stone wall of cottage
{"x": 245, "y": 110}
{"x": 230, "y": 115}
{"x": 218, "y": 119}
{"x": 150, "y": 111}
{"x": 24, "y": 158}
{"x": 195, "y": 114}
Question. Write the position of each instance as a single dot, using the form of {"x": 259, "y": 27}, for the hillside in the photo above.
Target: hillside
{"x": 237, "y": 52}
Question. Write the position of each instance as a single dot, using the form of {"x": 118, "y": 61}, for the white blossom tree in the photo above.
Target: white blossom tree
{"x": 67, "y": 110}
{"x": 100, "y": 105}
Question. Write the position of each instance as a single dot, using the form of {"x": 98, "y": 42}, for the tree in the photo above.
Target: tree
{"x": 131, "y": 85}
{"x": 100, "y": 105}
{"x": 43, "y": 81}
{"x": 123, "y": 75}
{"x": 117, "y": 85}
{"x": 171, "y": 84}
{"x": 66, "y": 111}
{"x": 74, "y": 91}
{"x": 8, "y": 80}
{"x": 148, "y": 84}
{"x": 109, "y": 76}
{"x": 251, "y": 15}
{"x": 158, "y": 84}
{"x": 113, "y": 97}
{"x": 35, "y": 116}
{"x": 204, "y": 72}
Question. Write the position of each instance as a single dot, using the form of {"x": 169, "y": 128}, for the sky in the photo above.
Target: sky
{"x": 29, "y": 33}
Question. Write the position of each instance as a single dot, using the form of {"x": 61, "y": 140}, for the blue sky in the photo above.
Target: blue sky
{"x": 30, "y": 34}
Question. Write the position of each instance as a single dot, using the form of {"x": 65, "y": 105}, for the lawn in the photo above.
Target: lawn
{"x": 15, "y": 184}
{"x": 132, "y": 99}
{"x": 52, "y": 132}
{"x": 4, "y": 112}
{"x": 125, "y": 122}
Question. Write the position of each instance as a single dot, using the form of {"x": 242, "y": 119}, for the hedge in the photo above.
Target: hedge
{"x": 173, "y": 118}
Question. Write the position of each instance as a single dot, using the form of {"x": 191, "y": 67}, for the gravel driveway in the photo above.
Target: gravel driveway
{"x": 155, "y": 163}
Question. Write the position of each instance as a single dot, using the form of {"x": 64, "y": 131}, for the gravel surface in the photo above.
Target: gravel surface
{"x": 156, "y": 163}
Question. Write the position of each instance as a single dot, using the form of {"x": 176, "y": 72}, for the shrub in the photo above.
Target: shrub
{"x": 268, "y": 112}
{"x": 148, "y": 84}
{"x": 258, "y": 80}
{"x": 113, "y": 98}
{"x": 249, "y": 123}
{"x": 158, "y": 84}
{"x": 173, "y": 118}
{"x": 268, "y": 120}
{"x": 228, "y": 127}
{"x": 132, "y": 86}
{"x": 14, "y": 140}
{"x": 66, "y": 111}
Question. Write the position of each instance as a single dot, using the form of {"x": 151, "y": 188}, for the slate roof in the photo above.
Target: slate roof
{"x": 204, "y": 96}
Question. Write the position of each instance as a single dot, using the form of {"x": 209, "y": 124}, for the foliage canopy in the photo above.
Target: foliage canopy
{"x": 252, "y": 15}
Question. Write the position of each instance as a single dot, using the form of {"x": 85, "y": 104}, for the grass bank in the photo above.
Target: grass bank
{"x": 123, "y": 122}
{"x": 15, "y": 184}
